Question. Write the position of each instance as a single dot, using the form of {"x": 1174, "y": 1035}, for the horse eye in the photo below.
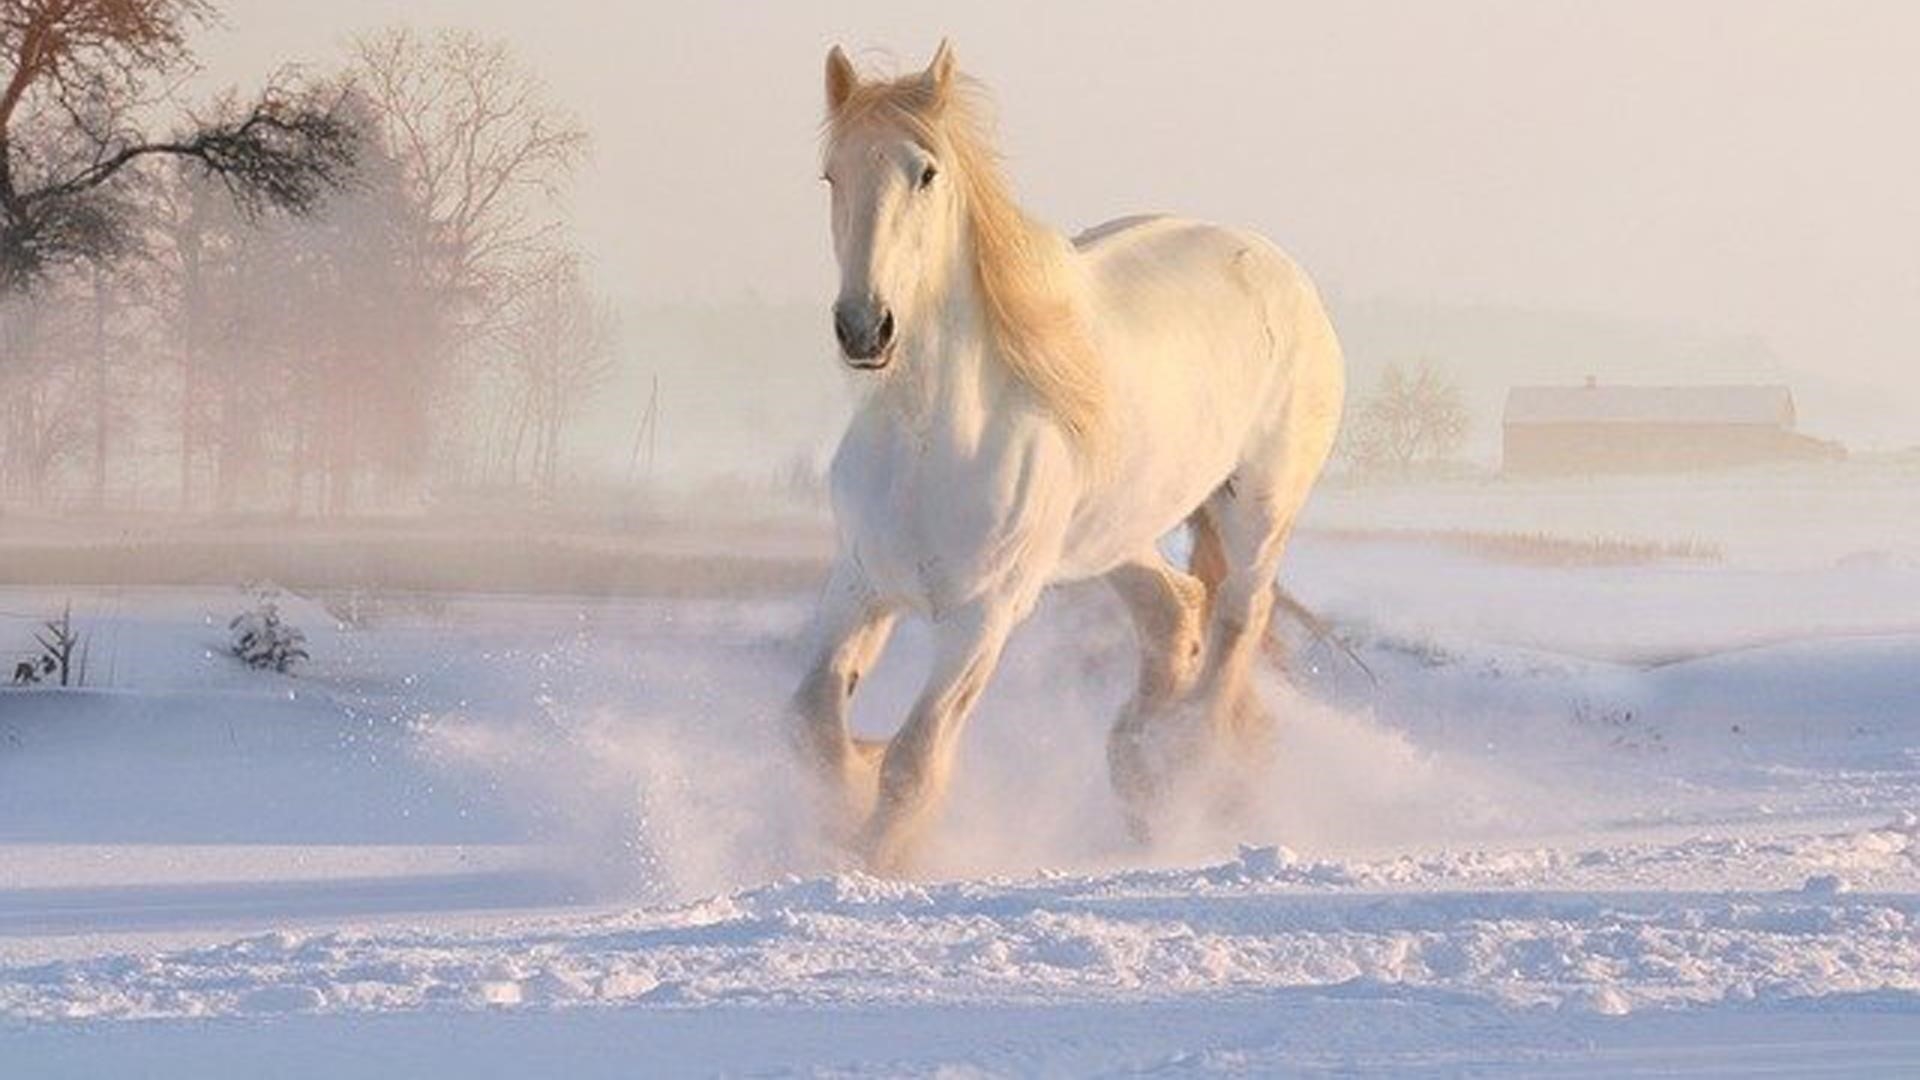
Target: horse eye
{"x": 926, "y": 177}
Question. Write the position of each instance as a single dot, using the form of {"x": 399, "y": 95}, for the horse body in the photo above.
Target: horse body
{"x": 1206, "y": 334}
{"x": 1207, "y": 389}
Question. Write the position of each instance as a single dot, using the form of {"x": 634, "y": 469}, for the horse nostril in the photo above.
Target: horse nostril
{"x": 842, "y": 329}
{"x": 885, "y": 333}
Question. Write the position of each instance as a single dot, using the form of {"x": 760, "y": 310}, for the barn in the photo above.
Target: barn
{"x": 1570, "y": 430}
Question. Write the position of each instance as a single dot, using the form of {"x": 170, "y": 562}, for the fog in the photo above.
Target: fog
{"x": 1502, "y": 193}
{"x": 1711, "y": 192}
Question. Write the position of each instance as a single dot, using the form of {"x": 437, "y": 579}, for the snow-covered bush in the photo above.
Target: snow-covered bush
{"x": 263, "y": 639}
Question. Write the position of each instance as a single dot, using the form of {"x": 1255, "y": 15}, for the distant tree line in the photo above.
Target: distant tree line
{"x": 333, "y": 294}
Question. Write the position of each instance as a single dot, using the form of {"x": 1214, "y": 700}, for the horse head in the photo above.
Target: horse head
{"x": 897, "y": 211}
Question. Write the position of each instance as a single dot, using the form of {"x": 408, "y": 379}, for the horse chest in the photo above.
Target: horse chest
{"x": 933, "y": 528}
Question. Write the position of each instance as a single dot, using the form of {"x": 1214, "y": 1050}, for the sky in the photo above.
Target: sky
{"x": 1740, "y": 169}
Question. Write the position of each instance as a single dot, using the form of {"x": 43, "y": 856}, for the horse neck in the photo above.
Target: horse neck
{"x": 952, "y": 381}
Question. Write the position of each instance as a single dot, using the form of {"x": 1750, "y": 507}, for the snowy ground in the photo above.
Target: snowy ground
{"x": 1595, "y": 820}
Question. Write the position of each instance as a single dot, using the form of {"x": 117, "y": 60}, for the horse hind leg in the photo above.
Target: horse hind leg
{"x": 1250, "y": 530}
{"x": 1252, "y": 515}
{"x": 1168, "y": 609}
{"x": 1207, "y": 560}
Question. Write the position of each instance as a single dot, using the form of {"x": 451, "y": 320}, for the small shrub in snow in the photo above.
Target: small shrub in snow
{"x": 58, "y": 641}
{"x": 264, "y": 640}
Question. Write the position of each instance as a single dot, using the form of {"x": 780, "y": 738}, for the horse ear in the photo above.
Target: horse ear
{"x": 841, "y": 79}
{"x": 940, "y": 72}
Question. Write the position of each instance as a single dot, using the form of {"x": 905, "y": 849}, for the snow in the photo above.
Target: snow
{"x": 1249, "y": 926}
{"x": 1595, "y": 820}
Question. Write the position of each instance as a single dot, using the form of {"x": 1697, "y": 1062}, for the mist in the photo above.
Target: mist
{"x": 1519, "y": 193}
{"x": 1713, "y": 180}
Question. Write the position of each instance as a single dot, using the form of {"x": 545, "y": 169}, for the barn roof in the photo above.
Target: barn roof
{"x": 1591, "y": 404}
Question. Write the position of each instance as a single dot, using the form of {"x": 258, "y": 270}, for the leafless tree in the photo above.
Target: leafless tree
{"x": 1411, "y": 416}
{"x": 76, "y": 73}
{"x": 42, "y": 390}
{"x": 307, "y": 344}
{"x": 484, "y": 156}
{"x": 371, "y": 336}
{"x": 561, "y": 344}
{"x": 318, "y": 361}
{"x": 185, "y": 243}
{"x": 119, "y": 317}
{"x": 482, "y": 152}
{"x": 57, "y": 640}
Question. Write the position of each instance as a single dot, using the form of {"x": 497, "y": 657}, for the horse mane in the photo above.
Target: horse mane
{"x": 1021, "y": 268}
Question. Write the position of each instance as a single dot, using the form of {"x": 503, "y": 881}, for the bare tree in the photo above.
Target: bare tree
{"x": 562, "y": 345}
{"x": 484, "y": 156}
{"x": 372, "y": 340}
{"x": 57, "y": 640}
{"x": 184, "y": 243}
{"x": 320, "y": 360}
{"x": 75, "y": 73}
{"x": 483, "y": 153}
{"x": 118, "y": 318}
{"x": 42, "y": 390}
{"x": 308, "y": 345}
{"x": 1411, "y": 416}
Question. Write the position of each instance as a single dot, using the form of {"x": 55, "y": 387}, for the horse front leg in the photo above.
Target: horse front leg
{"x": 853, "y": 627}
{"x": 918, "y": 766}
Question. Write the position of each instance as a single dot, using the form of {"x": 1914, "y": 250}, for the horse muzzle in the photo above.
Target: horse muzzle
{"x": 865, "y": 331}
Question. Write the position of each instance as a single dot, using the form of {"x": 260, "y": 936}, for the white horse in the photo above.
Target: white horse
{"x": 1039, "y": 410}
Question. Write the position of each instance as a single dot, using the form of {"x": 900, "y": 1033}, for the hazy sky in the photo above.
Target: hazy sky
{"x": 1740, "y": 168}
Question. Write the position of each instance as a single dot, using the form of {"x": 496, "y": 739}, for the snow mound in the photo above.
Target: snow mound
{"x": 1263, "y": 922}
